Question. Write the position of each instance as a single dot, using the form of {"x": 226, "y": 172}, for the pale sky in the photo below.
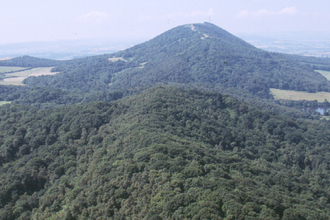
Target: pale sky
{"x": 51, "y": 20}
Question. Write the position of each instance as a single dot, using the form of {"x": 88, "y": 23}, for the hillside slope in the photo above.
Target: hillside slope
{"x": 202, "y": 54}
{"x": 166, "y": 153}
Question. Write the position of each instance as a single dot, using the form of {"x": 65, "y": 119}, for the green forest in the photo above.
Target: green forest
{"x": 165, "y": 153}
{"x": 182, "y": 126}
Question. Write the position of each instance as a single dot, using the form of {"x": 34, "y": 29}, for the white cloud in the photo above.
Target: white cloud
{"x": 178, "y": 15}
{"x": 242, "y": 14}
{"x": 264, "y": 12}
{"x": 289, "y": 10}
{"x": 210, "y": 12}
{"x": 145, "y": 18}
{"x": 94, "y": 16}
{"x": 197, "y": 13}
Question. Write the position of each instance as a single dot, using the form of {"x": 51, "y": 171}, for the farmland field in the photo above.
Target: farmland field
{"x": 33, "y": 72}
{"x": 324, "y": 73}
{"x": 297, "y": 96}
{"x": 17, "y": 81}
{"x": 4, "y": 102}
{"x": 6, "y": 69}
{"x": 18, "y": 77}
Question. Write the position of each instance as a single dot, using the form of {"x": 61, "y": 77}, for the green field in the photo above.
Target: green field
{"x": 326, "y": 74}
{"x": 6, "y": 69}
{"x": 18, "y": 77}
{"x": 4, "y": 102}
{"x": 298, "y": 96}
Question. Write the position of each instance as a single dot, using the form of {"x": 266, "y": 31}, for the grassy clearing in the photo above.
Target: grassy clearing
{"x": 6, "y": 69}
{"x": 18, "y": 77}
{"x": 4, "y": 102}
{"x": 142, "y": 65}
{"x": 114, "y": 59}
{"x": 326, "y": 74}
{"x": 327, "y": 118}
{"x": 298, "y": 96}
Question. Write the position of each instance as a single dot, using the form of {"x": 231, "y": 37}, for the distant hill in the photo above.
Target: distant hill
{"x": 164, "y": 154}
{"x": 29, "y": 61}
{"x": 202, "y": 54}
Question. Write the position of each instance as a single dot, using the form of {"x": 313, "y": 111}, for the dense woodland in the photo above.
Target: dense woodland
{"x": 166, "y": 153}
{"x": 313, "y": 62}
{"x": 155, "y": 135}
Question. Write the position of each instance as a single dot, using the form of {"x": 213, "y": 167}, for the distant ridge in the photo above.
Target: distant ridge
{"x": 191, "y": 54}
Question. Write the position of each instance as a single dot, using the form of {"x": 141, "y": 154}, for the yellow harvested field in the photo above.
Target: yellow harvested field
{"x": 326, "y": 74}
{"x": 298, "y": 96}
{"x": 18, "y": 77}
{"x": 114, "y": 59}
{"x": 34, "y": 72}
{"x": 5, "y": 69}
{"x": 12, "y": 83}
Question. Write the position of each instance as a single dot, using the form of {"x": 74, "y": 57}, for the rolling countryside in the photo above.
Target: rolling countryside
{"x": 187, "y": 125}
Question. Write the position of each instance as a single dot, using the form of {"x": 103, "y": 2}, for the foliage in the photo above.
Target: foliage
{"x": 166, "y": 153}
{"x": 313, "y": 62}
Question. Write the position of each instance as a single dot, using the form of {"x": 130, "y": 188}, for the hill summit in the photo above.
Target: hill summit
{"x": 207, "y": 54}
{"x": 192, "y": 54}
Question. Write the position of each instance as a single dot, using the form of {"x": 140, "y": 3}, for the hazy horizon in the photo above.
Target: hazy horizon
{"x": 47, "y": 21}
{"x": 301, "y": 43}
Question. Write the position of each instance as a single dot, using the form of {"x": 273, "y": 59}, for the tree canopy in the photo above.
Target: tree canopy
{"x": 166, "y": 153}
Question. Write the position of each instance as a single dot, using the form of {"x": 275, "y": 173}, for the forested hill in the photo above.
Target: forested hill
{"x": 28, "y": 61}
{"x": 202, "y": 54}
{"x": 166, "y": 153}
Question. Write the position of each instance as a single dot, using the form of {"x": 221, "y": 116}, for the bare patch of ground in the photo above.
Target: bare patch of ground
{"x": 114, "y": 59}
{"x": 142, "y": 65}
{"x": 205, "y": 36}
